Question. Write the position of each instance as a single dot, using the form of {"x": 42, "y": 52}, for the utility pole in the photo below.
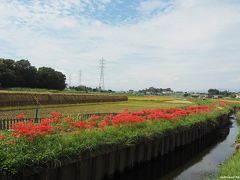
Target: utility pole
{"x": 101, "y": 80}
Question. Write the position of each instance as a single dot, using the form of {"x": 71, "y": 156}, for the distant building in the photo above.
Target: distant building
{"x": 217, "y": 96}
{"x": 238, "y": 96}
{"x": 148, "y": 93}
{"x": 195, "y": 95}
{"x": 203, "y": 96}
{"x": 167, "y": 91}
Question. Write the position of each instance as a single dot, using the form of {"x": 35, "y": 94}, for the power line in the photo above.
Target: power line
{"x": 101, "y": 80}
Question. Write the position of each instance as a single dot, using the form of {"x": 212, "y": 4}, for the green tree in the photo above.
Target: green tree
{"x": 22, "y": 74}
{"x": 50, "y": 79}
{"x": 26, "y": 75}
{"x": 7, "y": 73}
{"x": 213, "y": 92}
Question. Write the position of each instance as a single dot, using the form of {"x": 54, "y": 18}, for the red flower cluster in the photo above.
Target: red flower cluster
{"x": 80, "y": 124}
{"x": 173, "y": 113}
{"x": 57, "y": 123}
{"x": 31, "y": 130}
{"x": 95, "y": 118}
{"x": 127, "y": 118}
{"x": 21, "y": 116}
{"x": 1, "y": 137}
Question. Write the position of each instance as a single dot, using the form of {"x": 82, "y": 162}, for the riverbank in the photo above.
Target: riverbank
{"x": 231, "y": 168}
{"x": 124, "y": 131}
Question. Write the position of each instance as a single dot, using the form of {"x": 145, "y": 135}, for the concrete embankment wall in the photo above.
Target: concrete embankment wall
{"x": 16, "y": 99}
{"x": 116, "y": 159}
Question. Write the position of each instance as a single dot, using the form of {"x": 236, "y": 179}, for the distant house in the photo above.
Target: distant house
{"x": 167, "y": 91}
{"x": 203, "y": 96}
{"x": 217, "y": 96}
{"x": 195, "y": 95}
{"x": 238, "y": 96}
{"x": 148, "y": 93}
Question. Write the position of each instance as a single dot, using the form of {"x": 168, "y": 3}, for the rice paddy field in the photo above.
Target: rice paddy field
{"x": 133, "y": 104}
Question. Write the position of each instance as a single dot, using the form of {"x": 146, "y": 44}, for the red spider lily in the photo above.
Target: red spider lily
{"x": 68, "y": 119}
{"x": 126, "y": 118}
{"x": 102, "y": 124}
{"x": 47, "y": 121}
{"x": 107, "y": 119}
{"x": 80, "y": 124}
{"x": 94, "y": 118}
{"x": 21, "y": 116}
{"x": 31, "y": 130}
{"x": 91, "y": 125}
{"x": 1, "y": 137}
{"x": 58, "y": 124}
{"x": 56, "y": 115}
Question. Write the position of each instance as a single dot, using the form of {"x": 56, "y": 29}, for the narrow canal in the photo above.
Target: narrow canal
{"x": 198, "y": 161}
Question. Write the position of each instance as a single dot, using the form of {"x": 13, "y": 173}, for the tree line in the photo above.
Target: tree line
{"x": 22, "y": 74}
{"x": 89, "y": 89}
{"x": 218, "y": 92}
{"x": 153, "y": 90}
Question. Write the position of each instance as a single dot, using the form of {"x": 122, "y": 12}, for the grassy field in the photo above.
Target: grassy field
{"x": 133, "y": 104}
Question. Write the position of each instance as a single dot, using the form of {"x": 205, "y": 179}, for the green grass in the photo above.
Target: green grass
{"x": 231, "y": 167}
{"x": 24, "y": 153}
{"x": 131, "y": 105}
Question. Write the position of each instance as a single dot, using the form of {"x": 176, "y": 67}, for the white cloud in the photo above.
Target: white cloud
{"x": 147, "y": 8}
{"x": 193, "y": 45}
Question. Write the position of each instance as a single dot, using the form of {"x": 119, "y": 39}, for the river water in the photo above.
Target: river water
{"x": 198, "y": 161}
{"x": 206, "y": 165}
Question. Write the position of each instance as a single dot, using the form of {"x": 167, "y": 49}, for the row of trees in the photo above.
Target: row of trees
{"x": 89, "y": 89}
{"x": 218, "y": 92}
{"x": 22, "y": 74}
{"x": 153, "y": 90}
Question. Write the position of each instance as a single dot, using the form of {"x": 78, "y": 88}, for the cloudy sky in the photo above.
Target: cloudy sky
{"x": 182, "y": 44}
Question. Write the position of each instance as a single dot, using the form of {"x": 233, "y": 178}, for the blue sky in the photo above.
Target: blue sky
{"x": 182, "y": 44}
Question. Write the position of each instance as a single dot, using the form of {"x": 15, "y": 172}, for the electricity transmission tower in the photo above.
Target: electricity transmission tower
{"x": 101, "y": 81}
